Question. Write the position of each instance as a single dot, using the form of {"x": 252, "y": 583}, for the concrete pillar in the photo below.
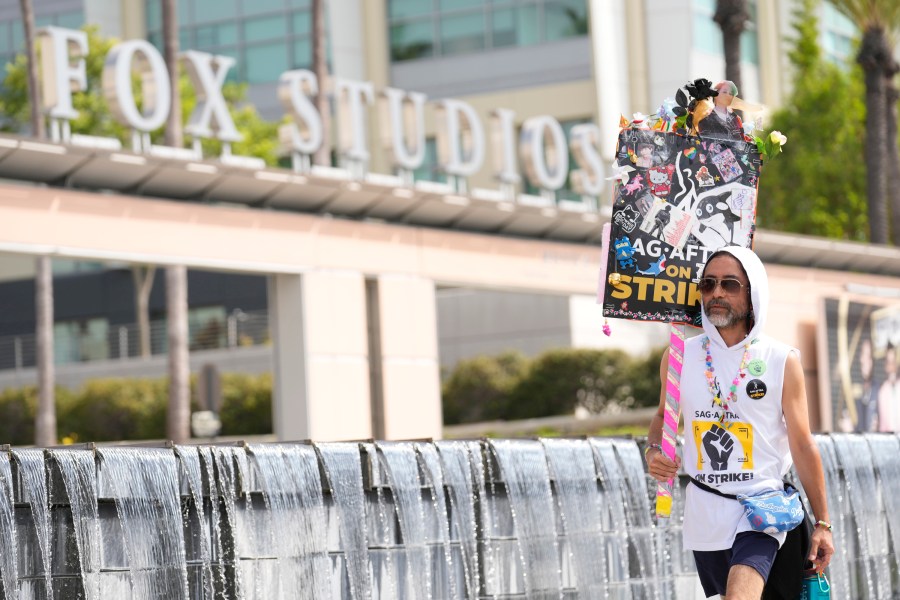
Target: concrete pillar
{"x": 406, "y": 389}
{"x": 321, "y": 387}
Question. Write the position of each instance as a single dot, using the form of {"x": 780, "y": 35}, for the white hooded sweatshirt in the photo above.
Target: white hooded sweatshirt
{"x": 747, "y": 453}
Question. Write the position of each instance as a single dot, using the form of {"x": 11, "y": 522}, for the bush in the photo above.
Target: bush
{"x": 115, "y": 409}
{"x": 479, "y": 388}
{"x": 246, "y": 404}
{"x": 511, "y": 387}
{"x": 17, "y": 408}
{"x": 560, "y": 380}
{"x": 131, "y": 409}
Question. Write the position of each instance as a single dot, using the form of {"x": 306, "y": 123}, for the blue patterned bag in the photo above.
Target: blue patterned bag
{"x": 773, "y": 512}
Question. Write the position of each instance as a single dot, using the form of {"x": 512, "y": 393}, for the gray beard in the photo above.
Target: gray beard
{"x": 727, "y": 319}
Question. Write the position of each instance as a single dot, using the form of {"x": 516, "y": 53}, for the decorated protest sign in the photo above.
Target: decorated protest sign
{"x": 678, "y": 199}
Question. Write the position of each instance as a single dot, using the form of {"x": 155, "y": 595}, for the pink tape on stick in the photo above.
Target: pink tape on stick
{"x": 672, "y": 414}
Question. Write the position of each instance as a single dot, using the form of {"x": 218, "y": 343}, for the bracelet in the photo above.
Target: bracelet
{"x": 823, "y": 524}
{"x": 651, "y": 447}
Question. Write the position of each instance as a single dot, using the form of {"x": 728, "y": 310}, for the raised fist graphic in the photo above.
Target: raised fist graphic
{"x": 718, "y": 444}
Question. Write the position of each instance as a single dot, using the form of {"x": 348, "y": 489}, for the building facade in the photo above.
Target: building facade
{"x": 575, "y": 62}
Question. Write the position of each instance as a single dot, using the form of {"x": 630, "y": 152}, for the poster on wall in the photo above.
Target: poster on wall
{"x": 677, "y": 199}
{"x": 860, "y": 349}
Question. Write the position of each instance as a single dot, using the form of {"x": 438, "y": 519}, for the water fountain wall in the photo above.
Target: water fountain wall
{"x": 548, "y": 518}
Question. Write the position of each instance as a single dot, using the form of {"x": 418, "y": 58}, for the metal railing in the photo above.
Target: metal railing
{"x": 239, "y": 329}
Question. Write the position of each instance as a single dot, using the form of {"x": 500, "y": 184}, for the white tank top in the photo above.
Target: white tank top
{"x": 746, "y": 454}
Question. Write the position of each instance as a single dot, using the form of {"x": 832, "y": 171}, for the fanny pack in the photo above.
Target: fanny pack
{"x": 770, "y": 512}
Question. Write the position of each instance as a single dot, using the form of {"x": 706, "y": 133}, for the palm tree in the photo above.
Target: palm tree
{"x": 876, "y": 19}
{"x": 45, "y": 416}
{"x": 179, "y": 410}
{"x": 892, "y": 96}
{"x": 320, "y": 68}
{"x": 732, "y": 17}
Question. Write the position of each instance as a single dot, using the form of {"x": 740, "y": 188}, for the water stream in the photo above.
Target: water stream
{"x": 78, "y": 470}
{"x": 34, "y": 479}
{"x": 148, "y": 504}
{"x": 550, "y": 518}
{"x": 9, "y": 557}
{"x": 343, "y": 469}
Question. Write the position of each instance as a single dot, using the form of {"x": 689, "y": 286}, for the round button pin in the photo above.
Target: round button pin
{"x": 756, "y": 389}
{"x": 756, "y": 367}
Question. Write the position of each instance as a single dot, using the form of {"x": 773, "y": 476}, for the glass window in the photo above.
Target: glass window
{"x": 462, "y": 34}
{"x": 430, "y": 170}
{"x": 156, "y": 40}
{"x": 451, "y": 5}
{"x": 707, "y": 35}
{"x": 208, "y": 37}
{"x": 409, "y": 8}
{"x": 43, "y": 21}
{"x": 750, "y": 47}
{"x": 300, "y": 3}
{"x": 154, "y": 16}
{"x": 206, "y": 327}
{"x": 269, "y": 28}
{"x": 302, "y": 54}
{"x": 18, "y": 36}
{"x": 411, "y": 40}
{"x": 256, "y": 7}
{"x": 214, "y": 10}
{"x": 5, "y": 38}
{"x": 503, "y": 28}
{"x": 528, "y": 25}
{"x": 565, "y": 19}
{"x": 265, "y": 63}
{"x": 82, "y": 340}
{"x": 70, "y": 20}
{"x": 301, "y": 23}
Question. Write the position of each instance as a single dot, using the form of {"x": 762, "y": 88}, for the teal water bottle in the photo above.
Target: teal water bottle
{"x": 815, "y": 587}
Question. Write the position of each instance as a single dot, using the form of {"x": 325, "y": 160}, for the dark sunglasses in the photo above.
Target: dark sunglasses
{"x": 729, "y": 285}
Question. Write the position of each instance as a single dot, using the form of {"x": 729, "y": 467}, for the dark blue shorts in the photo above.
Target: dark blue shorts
{"x": 752, "y": 548}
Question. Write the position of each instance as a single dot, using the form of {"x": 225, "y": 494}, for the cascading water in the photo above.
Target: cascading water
{"x": 447, "y": 580}
{"x": 402, "y": 469}
{"x": 885, "y": 450}
{"x": 523, "y": 469}
{"x": 572, "y": 469}
{"x": 291, "y": 485}
{"x": 536, "y": 519}
{"x": 79, "y": 474}
{"x": 459, "y": 476}
{"x": 189, "y": 457}
{"x": 34, "y": 478}
{"x": 343, "y": 469}
{"x": 148, "y": 502}
{"x": 9, "y": 556}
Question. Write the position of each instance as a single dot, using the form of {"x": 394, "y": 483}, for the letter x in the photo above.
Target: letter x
{"x": 210, "y": 117}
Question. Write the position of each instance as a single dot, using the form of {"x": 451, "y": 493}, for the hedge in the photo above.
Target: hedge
{"x": 132, "y": 409}
{"x": 509, "y": 386}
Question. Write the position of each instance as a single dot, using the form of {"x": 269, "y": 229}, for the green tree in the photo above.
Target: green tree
{"x": 877, "y": 20}
{"x": 94, "y": 117}
{"x": 559, "y": 380}
{"x": 817, "y": 186}
{"x": 479, "y": 388}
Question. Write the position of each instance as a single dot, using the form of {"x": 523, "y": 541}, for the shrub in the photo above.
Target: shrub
{"x": 479, "y": 388}
{"x": 246, "y": 404}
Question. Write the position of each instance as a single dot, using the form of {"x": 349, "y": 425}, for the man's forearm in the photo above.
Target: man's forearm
{"x": 808, "y": 463}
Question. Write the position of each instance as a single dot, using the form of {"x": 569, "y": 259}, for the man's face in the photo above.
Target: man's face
{"x": 721, "y": 308}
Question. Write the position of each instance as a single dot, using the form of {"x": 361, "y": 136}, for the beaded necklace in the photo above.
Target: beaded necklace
{"x": 713, "y": 382}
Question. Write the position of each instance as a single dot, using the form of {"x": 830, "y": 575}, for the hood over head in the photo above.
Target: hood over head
{"x": 759, "y": 293}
